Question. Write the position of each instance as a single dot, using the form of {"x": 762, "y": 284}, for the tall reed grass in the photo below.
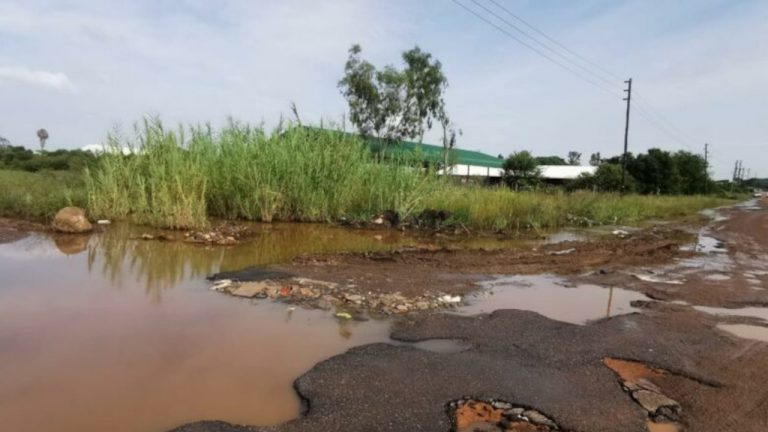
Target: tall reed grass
{"x": 179, "y": 178}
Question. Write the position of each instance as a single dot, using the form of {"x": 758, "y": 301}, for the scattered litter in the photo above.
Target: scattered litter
{"x": 343, "y": 315}
{"x": 147, "y": 237}
{"x": 290, "y": 309}
{"x": 620, "y": 233}
{"x": 103, "y": 222}
{"x": 563, "y": 252}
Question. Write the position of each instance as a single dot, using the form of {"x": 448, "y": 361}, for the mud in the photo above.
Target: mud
{"x": 667, "y": 364}
{"x": 12, "y": 230}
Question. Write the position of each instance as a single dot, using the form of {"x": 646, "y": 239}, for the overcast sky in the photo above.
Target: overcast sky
{"x": 81, "y": 67}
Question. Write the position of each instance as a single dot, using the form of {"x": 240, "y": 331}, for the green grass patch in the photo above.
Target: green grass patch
{"x": 39, "y": 195}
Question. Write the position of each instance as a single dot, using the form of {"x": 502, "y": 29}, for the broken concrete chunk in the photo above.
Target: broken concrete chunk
{"x": 652, "y": 401}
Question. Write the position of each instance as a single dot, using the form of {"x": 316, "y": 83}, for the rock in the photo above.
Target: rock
{"x": 401, "y": 307}
{"x": 644, "y": 384}
{"x": 515, "y": 412}
{"x": 147, "y": 237}
{"x": 250, "y": 289}
{"x": 539, "y": 418}
{"x": 501, "y": 405}
{"x": 354, "y": 298}
{"x": 422, "y": 305}
{"x": 308, "y": 292}
{"x": 652, "y": 401}
{"x": 71, "y": 220}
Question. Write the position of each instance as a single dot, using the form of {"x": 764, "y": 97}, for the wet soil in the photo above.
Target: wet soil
{"x": 582, "y": 376}
{"x": 12, "y": 230}
{"x": 430, "y": 267}
{"x": 128, "y": 332}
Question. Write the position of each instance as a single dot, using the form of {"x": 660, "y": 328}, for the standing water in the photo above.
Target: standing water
{"x": 115, "y": 333}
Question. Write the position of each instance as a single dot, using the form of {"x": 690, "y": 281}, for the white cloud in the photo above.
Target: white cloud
{"x": 41, "y": 78}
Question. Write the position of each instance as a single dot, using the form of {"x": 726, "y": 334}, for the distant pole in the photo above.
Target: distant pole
{"x": 706, "y": 167}
{"x": 626, "y": 135}
{"x": 735, "y": 170}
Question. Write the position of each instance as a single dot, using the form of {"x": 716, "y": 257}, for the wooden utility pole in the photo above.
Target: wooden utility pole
{"x": 626, "y": 135}
{"x": 706, "y": 167}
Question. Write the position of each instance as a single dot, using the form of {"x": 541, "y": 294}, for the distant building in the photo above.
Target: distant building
{"x": 101, "y": 148}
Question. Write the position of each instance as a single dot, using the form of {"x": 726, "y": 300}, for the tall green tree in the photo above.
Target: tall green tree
{"x": 550, "y": 160}
{"x": 693, "y": 175}
{"x": 655, "y": 172}
{"x": 574, "y": 158}
{"x": 394, "y": 104}
{"x": 521, "y": 169}
{"x": 42, "y": 135}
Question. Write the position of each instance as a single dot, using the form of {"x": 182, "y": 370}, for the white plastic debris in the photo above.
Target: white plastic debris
{"x": 620, "y": 233}
{"x": 222, "y": 284}
{"x": 563, "y": 252}
{"x": 103, "y": 222}
{"x": 654, "y": 279}
{"x": 450, "y": 299}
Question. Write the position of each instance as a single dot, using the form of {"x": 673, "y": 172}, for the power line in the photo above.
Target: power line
{"x": 543, "y": 45}
{"x": 554, "y": 41}
{"x": 642, "y": 105}
{"x": 534, "y": 49}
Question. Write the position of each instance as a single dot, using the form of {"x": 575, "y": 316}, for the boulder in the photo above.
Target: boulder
{"x": 71, "y": 220}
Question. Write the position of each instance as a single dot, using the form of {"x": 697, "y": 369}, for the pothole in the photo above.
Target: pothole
{"x": 746, "y": 331}
{"x": 747, "y": 312}
{"x": 552, "y": 297}
{"x": 492, "y": 415}
{"x": 636, "y": 379}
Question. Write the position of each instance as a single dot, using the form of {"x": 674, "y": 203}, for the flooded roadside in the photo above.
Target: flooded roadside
{"x": 125, "y": 335}
{"x": 95, "y": 329}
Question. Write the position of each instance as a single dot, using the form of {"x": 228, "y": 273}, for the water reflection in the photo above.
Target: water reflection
{"x": 552, "y": 297}
{"x": 120, "y": 254}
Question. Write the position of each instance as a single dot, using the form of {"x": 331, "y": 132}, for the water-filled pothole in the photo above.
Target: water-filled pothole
{"x": 552, "y": 297}
{"x": 746, "y": 331}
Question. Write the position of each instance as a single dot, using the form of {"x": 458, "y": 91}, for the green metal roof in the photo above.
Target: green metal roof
{"x": 428, "y": 152}
{"x": 433, "y": 153}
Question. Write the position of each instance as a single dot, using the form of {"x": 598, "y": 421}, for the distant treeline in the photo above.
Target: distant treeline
{"x": 655, "y": 172}
{"x": 20, "y": 158}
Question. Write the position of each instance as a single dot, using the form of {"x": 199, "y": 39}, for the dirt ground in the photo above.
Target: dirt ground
{"x": 14, "y": 229}
{"x": 582, "y": 377}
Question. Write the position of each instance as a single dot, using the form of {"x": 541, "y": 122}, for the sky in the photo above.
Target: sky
{"x": 80, "y": 68}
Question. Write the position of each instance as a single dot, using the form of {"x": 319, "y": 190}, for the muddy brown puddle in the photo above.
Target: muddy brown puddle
{"x": 552, "y": 297}
{"x": 125, "y": 335}
{"x": 111, "y": 332}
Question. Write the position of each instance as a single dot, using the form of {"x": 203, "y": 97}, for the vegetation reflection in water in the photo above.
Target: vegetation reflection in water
{"x": 119, "y": 252}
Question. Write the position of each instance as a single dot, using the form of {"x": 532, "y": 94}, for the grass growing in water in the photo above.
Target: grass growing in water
{"x": 179, "y": 178}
